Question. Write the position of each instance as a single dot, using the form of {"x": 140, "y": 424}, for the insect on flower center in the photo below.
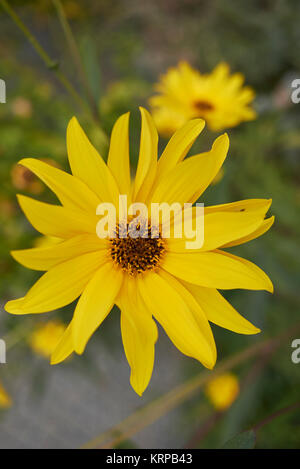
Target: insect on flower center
{"x": 136, "y": 255}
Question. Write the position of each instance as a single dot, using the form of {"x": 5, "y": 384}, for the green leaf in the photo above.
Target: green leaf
{"x": 245, "y": 440}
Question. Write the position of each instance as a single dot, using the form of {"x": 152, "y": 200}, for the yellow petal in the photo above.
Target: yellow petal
{"x": 45, "y": 258}
{"x": 248, "y": 205}
{"x": 139, "y": 334}
{"x": 217, "y": 269}
{"x": 71, "y": 192}
{"x": 195, "y": 308}
{"x": 147, "y": 164}
{"x": 263, "y": 228}
{"x": 219, "y": 229}
{"x": 64, "y": 348}
{"x": 95, "y": 303}
{"x": 88, "y": 165}
{"x": 173, "y": 313}
{"x": 59, "y": 286}
{"x": 54, "y": 220}
{"x": 219, "y": 311}
{"x": 179, "y": 145}
{"x": 118, "y": 156}
{"x": 189, "y": 179}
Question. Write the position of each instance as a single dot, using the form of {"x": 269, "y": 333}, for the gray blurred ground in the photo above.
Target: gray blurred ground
{"x": 73, "y": 407}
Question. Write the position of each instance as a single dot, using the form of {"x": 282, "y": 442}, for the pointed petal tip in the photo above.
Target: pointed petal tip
{"x": 78, "y": 348}
{"x": 199, "y": 122}
{"x": 209, "y": 365}
{"x": 139, "y": 390}
{"x": 73, "y": 119}
{"x": 14, "y": 306}
{"x": 24, "y": 161}
{"x": 73, "y": 122}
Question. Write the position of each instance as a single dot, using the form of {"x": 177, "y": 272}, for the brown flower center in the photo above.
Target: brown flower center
{"x": 136, "y": 255}
{"x": 202, "y": 106}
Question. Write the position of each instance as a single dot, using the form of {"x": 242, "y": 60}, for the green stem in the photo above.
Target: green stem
{"x": 50, "y": 64}
{"x": 76, "y": 57}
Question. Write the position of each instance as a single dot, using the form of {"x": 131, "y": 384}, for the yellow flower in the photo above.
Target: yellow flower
{"x": 223, "y": 390}
{"x": 5, "y": 399}
{"x": 45, "y": 337}
{"x": 184, "y": 93}
{"x": 145, "y": 277}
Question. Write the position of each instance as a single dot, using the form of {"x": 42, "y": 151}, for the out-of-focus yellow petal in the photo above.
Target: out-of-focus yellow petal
{"x": 222, "y": 391}
{"x": 118, "y": 156}
{"x": 59, "y": 286}
{"x": 45, "y": 258}
{"x": 95, "y": 303}
{"x": 139, "y": 334}
{"x": 71, "y": 192}
{"x": 219, "y": 311}
{"x": 5, "y": 399}
{"x": 174, "y": 314}
{"x": 45, "y": 337}
{"x": 189, "y": 179}
{"x": 54, "y": 220}
{"x": 147, "y": 164}
{"x": 88, "y": 165}
{"x": 217, "y": 269}
{"x": 64, "y": 348}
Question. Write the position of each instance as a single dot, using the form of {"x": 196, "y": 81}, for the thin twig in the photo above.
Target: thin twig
{"x": 276, "y": 414}
{"x": 255, "y": 371}
{"x": 164, "y": 404}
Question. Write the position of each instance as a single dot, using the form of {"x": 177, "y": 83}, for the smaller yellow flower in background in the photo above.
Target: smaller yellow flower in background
{"x": 5, "y": 399}
{"x": 184, "y": 93}
{"x": 223, "y": 390}
{"x": 45, "y": 337}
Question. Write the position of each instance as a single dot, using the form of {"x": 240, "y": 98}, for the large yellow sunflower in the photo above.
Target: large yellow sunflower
{"x": 146, "y": 277}
{"x": 218, "y": 97}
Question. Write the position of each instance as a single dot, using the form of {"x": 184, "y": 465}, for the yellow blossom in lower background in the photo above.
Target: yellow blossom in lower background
{"x": 45, "y": 337}
{"x": 223, "y": 390}
{"x": 218, "y": 97}
{"x": 5, "y": 399}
